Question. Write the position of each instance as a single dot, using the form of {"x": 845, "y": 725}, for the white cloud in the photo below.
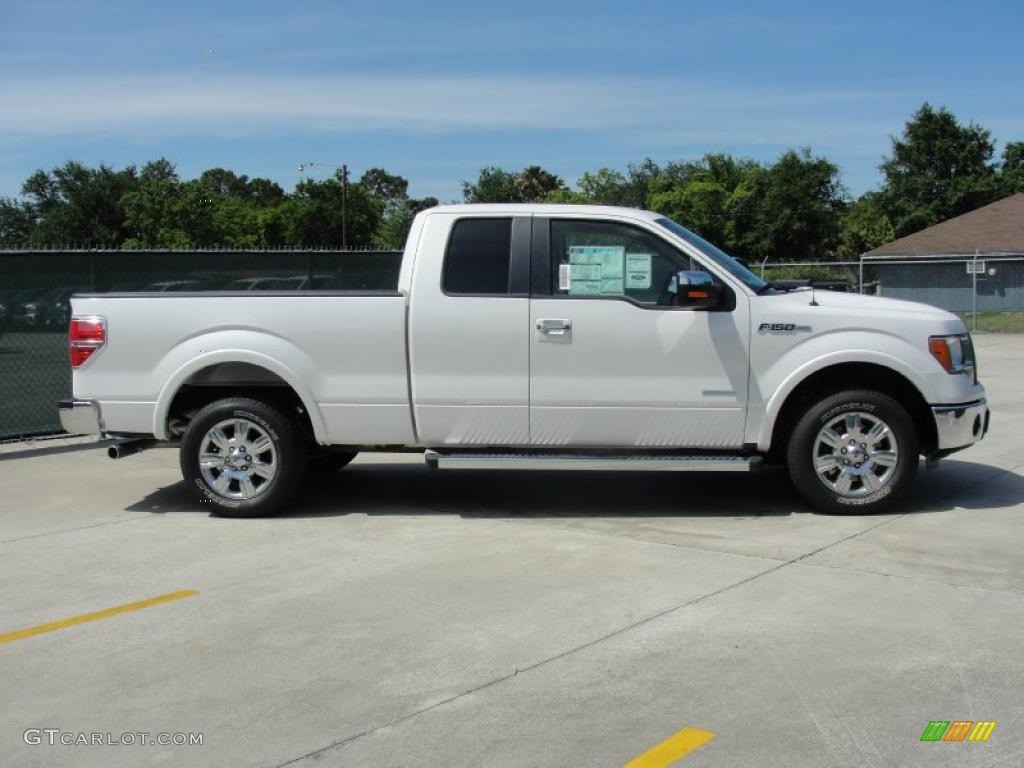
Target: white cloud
{"x": 658, "y": 112}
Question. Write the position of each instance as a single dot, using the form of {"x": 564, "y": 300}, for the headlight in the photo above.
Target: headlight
{"x": 954, "y": 353}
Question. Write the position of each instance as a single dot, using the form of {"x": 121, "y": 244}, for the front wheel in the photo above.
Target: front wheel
{"x": 854, "y": 452}
{"x": 243, "y": 457}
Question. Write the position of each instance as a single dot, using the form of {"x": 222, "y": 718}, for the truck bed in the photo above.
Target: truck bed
{"x": 343, "y": 353}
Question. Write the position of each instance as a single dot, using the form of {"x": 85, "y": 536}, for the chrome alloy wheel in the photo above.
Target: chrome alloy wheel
{"x": 237, "y": 459}
{"x": 855, "y": 454}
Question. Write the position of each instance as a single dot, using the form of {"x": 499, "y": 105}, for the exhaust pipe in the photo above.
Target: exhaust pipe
{"x": 127, "y": 447}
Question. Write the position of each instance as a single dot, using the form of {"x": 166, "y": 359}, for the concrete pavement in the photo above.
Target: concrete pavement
{"x": 403, "y": 617}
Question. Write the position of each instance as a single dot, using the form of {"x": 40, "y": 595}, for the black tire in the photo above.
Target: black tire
{"x": 288, "y": 456}
{"x": 329, "y": 463}
{"x": 860, "y": 496}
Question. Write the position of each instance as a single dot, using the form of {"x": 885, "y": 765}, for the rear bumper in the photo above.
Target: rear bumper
{"x": 958, "y": 426}
{"x": 80, "y": 417}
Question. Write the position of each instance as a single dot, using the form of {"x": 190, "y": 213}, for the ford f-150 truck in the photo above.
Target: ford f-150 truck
{"x": 532, "y": 337}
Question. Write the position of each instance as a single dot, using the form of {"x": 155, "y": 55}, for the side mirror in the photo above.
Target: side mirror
{"x": 695, "y": 290}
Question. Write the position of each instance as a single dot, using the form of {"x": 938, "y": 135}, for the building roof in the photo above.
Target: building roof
{"x": 996, "y": 228}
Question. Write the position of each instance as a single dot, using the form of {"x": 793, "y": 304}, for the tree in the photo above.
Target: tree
{"x": 865, "y": 226}
{"x": 533, "y": 183}
{"x": 79, "y": 205}
{"x": 312, "y": 215}
{"x": 493, "y": 185}
{"x": 221, "y": 183}
{"x": 155, "y": 214}
{"x": 391, "y": 193}
{"x": 607, "y": 186}
{"x": 1012, "y": 170}
{"x": 158, "y": 213}
{"x": 938, "y": 169}
{"x": 497, "y": 185}
{"x": 697, "y": 194}
{"x": 16, "y": 222}
{"x": 386, "y": 187}
{"x": 393, "y": 230}
{"x": 803, "y": 201}
{"x": 787, "y": 210}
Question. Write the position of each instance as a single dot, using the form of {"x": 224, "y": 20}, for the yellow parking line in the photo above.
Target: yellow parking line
{"x": 671, "y": 749}
{"x": 126, "y": 608}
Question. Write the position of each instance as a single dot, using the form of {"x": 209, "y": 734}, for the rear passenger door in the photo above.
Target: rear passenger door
{"x": 469, "y": 330}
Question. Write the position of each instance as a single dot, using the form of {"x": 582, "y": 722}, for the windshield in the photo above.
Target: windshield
{"x": 716, "y": 254}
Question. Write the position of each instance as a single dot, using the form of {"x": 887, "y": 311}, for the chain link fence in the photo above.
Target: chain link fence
{"x": 35, "y": 287}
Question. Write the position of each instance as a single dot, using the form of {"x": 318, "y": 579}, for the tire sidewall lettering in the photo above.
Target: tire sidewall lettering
{"x": 215, "y": 497}
{"x": 258, "y": 420}
{"x": 859, "y": 501}
{"x": 840, "y": 409}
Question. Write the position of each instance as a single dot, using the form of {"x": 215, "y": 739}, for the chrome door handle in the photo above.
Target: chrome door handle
{"x": 554, "y": 327}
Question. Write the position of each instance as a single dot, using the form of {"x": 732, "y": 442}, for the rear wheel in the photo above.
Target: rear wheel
{"x": 243, "y": 457}
{"x": 854, "y": 452}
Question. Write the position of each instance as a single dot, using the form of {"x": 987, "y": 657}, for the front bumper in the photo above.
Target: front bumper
{"x": 80, "y": 417}
{"x": 958, "y": 426}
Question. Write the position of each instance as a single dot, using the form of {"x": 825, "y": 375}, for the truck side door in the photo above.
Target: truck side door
{"x": 468, "y": 338}
{"x": 613, "y": 361}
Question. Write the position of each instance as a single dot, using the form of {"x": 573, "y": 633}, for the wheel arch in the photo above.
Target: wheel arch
{"x": 235, "y": 373}
{"x": 851, "y": 375}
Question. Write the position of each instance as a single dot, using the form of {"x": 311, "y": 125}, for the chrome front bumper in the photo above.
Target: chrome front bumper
{"x": 80, "y": 417}
{"x": 958, "y": 426}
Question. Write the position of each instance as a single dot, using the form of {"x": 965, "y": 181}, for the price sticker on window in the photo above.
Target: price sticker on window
{"x": 595, "y": 269}
{"x": 638, "y": 270}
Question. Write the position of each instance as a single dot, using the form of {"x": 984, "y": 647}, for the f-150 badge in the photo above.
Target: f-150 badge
{"x": 781, "y": 328}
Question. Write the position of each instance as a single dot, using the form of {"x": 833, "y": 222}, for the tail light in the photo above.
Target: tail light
{"x": 85, "y": 336}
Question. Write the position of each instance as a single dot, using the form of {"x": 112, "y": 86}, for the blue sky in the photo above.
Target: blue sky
{"x": 435, "y": 91}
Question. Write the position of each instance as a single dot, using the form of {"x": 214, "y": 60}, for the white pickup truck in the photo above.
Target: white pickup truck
{"x": 532, "y": 337}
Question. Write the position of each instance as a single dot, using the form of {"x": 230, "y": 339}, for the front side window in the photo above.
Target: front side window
{"x": 478, "y": 257}
{"x": 607, "y": 259}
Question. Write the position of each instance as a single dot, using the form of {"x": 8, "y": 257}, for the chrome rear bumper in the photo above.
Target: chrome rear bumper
{"x": 958, "y": 426}
{"x": 80, "y": 417}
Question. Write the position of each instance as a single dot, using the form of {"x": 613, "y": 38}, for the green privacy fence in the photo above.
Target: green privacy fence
{"x": 35, "y": 286}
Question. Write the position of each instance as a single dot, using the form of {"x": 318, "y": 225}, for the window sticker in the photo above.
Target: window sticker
{"x": 564, "y": 279}
{"x": 596, "y": 269}
{"x": 638, "y": 270}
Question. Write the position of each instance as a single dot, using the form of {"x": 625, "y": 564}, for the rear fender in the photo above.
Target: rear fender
{"x": 195, "y": 364}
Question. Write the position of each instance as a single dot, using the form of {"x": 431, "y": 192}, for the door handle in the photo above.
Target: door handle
{"x": 554, "y": 327}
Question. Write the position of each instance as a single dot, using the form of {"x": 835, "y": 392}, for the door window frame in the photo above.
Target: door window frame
{"x": 542, "y": 278}
{"x": 518, "y": 263}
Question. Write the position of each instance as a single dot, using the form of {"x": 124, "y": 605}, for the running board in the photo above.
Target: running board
{"x": 611, "y": 463}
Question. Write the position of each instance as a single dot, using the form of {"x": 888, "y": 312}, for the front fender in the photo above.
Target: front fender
{"x": 271, "y": 353}
{"x": 788, "y": 370}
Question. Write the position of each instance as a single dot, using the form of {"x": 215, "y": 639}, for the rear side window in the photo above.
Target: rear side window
{"x": 477, "y": 261}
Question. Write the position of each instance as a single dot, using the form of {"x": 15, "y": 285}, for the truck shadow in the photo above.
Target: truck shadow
{"x": 412, "y": 489}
